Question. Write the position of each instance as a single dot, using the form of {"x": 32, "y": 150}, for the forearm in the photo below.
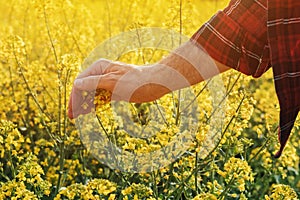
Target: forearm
{"x": 186, "y": 66}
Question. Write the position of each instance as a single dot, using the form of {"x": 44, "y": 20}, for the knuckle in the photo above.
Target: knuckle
{"x": 102, "y": 62}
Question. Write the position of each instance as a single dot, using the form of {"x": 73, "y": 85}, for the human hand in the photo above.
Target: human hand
{"x": 123, "y": 81}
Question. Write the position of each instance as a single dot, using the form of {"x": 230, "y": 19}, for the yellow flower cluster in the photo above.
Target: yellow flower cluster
{"x": 30, "y": 172}
{"x": 27, "y": 183}
{"x": 137, "y": 191}
{"x": 10, "y": 140}
{"x": 16, "y": 190}
{"x": 102, "y": 97}
{"x": 237, "y": 172}
{"x": 95, "y": 189}
{"x": 281, "y": 192}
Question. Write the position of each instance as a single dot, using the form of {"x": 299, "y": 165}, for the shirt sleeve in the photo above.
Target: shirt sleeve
{"x": 237, "y": 37}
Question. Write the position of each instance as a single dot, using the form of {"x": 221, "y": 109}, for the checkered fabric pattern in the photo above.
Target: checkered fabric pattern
{"x": 252, "y": 36}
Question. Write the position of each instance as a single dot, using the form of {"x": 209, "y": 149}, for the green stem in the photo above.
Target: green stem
{"x": 160, "y": 112}
{"x": 180, "y": 41}
{"x": 226, "y": 188}
{"x": 178, "y": 108}
{"x": 197, "y": 95}
{"x": 226, "y": 95}
{"x": 153, "y": 175}
{"x": 14, "y": 98}
{"x": 196, "y": 173}
{"x": 61, "y": 166}
{"x": 49, "y": 34}
{"x": 34, "y": 99}
{"x": 260, "y": 150}
{"x": 107, "y": 135}
{"x": 194, "y": 170}
{"x": 227, "y": 126}
{"x": 12, "y": 167}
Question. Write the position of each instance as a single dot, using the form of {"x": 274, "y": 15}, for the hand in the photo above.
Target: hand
{"x": 124, "y": 81}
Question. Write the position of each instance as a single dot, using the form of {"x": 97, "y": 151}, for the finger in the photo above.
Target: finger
{"x": 79, "y": 103}
{"x": 76, "y": 103}
{"x": 91, "y": 83}
{"x": 97, "y": 68}
{"x": 70, "y": 108}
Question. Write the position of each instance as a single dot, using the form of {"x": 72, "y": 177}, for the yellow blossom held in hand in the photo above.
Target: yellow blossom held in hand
{"x": 102, "y": 97}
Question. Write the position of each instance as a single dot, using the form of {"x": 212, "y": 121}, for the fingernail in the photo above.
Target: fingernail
{"x": 78, "y": 82}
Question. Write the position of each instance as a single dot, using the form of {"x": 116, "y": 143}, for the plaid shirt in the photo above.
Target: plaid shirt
{"x": 253, "y": 35}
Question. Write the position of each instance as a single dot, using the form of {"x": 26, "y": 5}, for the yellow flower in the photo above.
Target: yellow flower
{"x": 112, "y": 197}
{"x": 281, "y": 192}
{"x": 205, "y": 196}
{"x": 239, "y": 170}
{"x": 102, "y": 186}
{"x": 126, "y": 191}
{"x": 101, "y": 98}
{"x": 243, "y": 197}
{"x": 16, "y": 190}
{"x": 138, "y": 190}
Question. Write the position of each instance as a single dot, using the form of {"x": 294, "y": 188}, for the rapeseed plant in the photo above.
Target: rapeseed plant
{"x": 43, "y": 44}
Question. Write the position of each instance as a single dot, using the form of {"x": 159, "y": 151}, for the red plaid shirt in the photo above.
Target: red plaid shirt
{"x": 253, "y": 35}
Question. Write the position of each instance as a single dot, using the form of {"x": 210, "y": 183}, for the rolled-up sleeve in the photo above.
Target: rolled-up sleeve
{"x": 237, "y": 37}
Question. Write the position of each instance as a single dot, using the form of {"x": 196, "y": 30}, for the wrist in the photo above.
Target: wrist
{"x": 155, "y": 78}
